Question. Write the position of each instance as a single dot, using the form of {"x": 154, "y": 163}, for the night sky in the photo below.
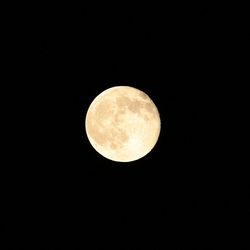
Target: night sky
{"x": 180, "y": 194}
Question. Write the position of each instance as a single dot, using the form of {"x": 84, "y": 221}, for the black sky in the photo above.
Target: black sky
{"x": 179, "y": 194}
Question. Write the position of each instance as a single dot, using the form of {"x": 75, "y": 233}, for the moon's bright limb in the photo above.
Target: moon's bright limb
{"x": 123, "y": 124}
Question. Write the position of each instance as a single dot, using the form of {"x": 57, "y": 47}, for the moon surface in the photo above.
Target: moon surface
{"x": 123, "y": 124}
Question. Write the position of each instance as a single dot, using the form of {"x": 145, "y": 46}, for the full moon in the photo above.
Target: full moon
{"x": 123, "y": 124}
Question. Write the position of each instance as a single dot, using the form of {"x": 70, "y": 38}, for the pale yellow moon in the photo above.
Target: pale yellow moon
{"x": 123, "y": 124}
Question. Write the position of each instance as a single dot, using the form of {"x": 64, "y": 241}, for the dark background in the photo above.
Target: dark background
{"x": 182, "y": 193}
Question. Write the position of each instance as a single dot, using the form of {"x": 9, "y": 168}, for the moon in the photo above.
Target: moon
{"x": 122, "y": 124}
